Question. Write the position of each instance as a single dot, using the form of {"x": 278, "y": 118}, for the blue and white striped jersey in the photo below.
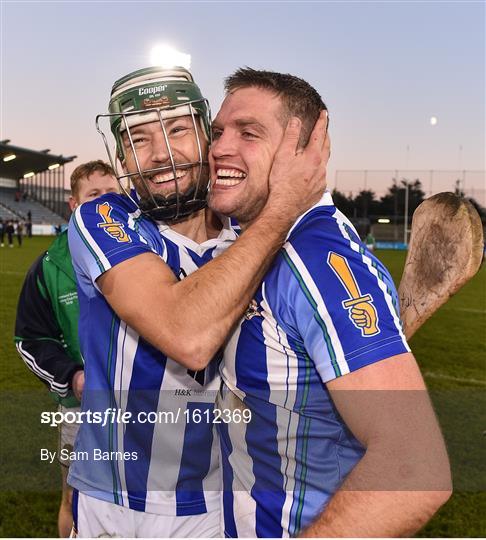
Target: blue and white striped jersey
{"x": 325, "y": 308}
{"x": 170, "y": 465}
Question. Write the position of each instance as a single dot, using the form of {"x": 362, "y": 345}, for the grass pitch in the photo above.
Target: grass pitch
{"x": 450, "y": 349}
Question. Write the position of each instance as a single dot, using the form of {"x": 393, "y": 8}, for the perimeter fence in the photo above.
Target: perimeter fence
{"x": 471, "y": 182}
{"x": 393, "y": 226}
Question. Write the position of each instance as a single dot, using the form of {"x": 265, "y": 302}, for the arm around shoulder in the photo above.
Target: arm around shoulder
{"x": 189, "y": 320}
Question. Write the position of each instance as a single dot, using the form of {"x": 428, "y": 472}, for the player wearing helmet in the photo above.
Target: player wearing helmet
{"x": 146, "y": 333}
{"x": 169, "y": 106}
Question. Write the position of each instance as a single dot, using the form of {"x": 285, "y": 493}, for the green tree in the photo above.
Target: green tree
{"x": 365, "y": 203}
{"x": 393, "y": 203}
{"x": 343, "y": 203}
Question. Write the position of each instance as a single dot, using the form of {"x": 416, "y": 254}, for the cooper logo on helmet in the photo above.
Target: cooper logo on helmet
{"x": 152, "y": 90}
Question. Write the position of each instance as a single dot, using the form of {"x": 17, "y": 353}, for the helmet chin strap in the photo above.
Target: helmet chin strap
{"x": 176, "y": 207}
{"x": 169, "y": 213}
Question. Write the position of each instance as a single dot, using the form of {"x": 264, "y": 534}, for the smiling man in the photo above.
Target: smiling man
{"x": 178, "y": 189}
{"x": 146, "y": 333}
{"x": 342, "y": 439}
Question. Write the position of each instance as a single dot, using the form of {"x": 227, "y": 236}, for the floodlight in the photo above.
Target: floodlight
{"x": 383, "y": 220}
{"x": 9, "y": 157}
{"x": 167, "y": 57}
{"x": 54, "y": 166}
{"x": 29, "y": 174}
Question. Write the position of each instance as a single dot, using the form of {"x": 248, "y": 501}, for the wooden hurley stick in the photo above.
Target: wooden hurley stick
{"x": 445, "y": 251}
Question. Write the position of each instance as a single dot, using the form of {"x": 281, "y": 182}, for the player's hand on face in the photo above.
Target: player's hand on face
{"x": 78, "y": 384}
{"x": 298, "y": 176}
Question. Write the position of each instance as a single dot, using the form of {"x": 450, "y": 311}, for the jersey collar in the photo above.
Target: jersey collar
{"x": 325, "y": 200}
{"x": 227, "y": 234}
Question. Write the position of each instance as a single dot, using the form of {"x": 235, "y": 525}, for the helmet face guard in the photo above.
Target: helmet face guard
{"x": 158, "y": 95}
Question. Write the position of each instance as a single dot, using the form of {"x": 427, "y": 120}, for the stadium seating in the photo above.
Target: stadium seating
{"x": 7, "y": 214}
{"x": 12, "y": 209}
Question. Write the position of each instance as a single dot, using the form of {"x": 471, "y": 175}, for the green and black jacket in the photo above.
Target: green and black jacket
{"x": 46, "y": 327}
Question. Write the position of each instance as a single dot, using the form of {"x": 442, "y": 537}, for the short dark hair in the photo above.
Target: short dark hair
{"x": 86, "y": 169}
{"x": 298, "y": 97}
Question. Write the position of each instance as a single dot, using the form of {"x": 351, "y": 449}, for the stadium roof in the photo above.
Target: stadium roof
{"x": 15, "y": 162}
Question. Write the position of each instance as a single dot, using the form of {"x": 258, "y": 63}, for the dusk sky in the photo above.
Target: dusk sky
{"x": 384, "y": 69}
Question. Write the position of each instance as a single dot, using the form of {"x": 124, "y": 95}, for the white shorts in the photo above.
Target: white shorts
{"x": 94, "y": 518}
{"x": 67, "y": 436}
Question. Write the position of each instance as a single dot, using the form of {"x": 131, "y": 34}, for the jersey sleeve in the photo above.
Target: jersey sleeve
{"x": 345, "y": 305}
{"x": 38, "y": 338}
{"x": 101, "y": 235}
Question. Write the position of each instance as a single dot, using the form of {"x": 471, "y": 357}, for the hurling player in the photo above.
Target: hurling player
{"x": 342, "y": 440}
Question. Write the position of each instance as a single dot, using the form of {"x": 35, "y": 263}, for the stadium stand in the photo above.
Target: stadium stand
{"x": 32, "y": 181}
{"x": 19, "y": 209}
{"x": 6, "y": 213}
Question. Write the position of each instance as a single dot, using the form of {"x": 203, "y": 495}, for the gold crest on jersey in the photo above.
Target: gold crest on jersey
{"x": 114, "y": 229}
{"x": 362, "y": 312}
